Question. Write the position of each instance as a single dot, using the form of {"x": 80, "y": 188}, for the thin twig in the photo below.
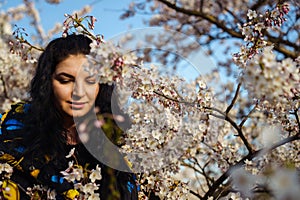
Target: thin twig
{"x": 247, "y": 116}
{"x": 297, "y": 120}
{"x": 192, "y": 167}
{"x": 234, "y": 125}
{"x": 240, "y": 133}
{"x": 195, "y": 194}
{"x": 208, "y": 180}
{"x": 23, "y": 41}
{"x": 234, "y": 98}
{"x": 171, "y": 98}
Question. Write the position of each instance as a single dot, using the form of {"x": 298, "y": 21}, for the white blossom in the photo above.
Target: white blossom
{"x": 95, "y": 174}
{"x": 71, "y": 153}
{"x": 251, "y": 14}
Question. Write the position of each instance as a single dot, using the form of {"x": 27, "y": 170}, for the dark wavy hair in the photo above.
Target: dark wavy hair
{"x": 44, "y": 122}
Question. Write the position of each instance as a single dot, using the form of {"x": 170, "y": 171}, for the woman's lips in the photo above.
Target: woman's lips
{"x": 77, "y": 105}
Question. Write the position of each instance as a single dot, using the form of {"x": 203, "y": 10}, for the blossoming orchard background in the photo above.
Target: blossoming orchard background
{"x": 229, "y": 133}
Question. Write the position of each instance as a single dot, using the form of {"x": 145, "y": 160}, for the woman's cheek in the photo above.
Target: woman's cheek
{"x": 92, "y": 91}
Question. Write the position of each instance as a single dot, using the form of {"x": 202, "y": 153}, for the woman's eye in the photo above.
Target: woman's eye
{"x": 64, "y": 81}
{"x": 91, "y": 81}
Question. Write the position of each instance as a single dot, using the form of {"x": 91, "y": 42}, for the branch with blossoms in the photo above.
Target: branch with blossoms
{"x": 21, "y": 46}
{"x": 84, "y": 180}
{"x": 162, "y": 90}
{"x": 217, "y": 183}
{"x": 214, "y": 25}
{"x": 75, "y": 23}
{"x": 252, "y": 31}
{"x": 72, "y": 23}
{"x": 107, "y": 61}
{"x": 255, "y": 30}
{"x": 225, "y": 116}
{"x": 272, "y": 85}
{"x": 20, "y": 34}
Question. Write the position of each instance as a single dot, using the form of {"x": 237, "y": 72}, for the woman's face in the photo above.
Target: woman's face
{"x": 75, "y": 90}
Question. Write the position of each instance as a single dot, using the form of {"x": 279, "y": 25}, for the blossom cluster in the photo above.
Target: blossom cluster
{"x": 13, "y": 82}
{"x": 168, "y": 124}
{"x": 255, "y": 29}
{"x": 266, "y": 78}
{"x": 75, "y": 23}
{"x": 109, "y": 62}
{"x": 164, "y": 186}
{"x": 5, "y": 170}
{"x": 41, "y": 191}
{"x": 84, "y": 180}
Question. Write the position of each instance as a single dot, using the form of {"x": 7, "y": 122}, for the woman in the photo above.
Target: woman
{"x": 36, "y": 136}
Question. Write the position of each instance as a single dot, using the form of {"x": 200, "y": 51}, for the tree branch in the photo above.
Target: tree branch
{"x": 240, "y": 134}
{"x": 239, "y": 164}
{"x": 238, "y": 128}
{"x": 247, "y": 116}
{"x": 280, "y": 48}
{"x": 258, "y": 4}
{"x": 295, "y": 112}
{"x": 195, "y": 193}
{"x": 236, "y": 34}
{"x": 234, "y": 99}
{"x": 205, "y": 16}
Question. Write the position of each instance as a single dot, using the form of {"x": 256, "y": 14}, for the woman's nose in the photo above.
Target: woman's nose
{"x": 78, "y": 90}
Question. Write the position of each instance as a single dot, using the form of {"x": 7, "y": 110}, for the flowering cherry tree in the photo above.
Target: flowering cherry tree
{"x": 191, "y": 139}
{"x": 238, "y": 155}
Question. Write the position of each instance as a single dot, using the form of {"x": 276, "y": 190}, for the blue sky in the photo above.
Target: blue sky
{"x": 107, "y": 13}
{"x": 108, "y": 24}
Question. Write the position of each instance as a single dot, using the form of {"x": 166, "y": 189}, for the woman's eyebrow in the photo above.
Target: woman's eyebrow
{"x": 64, "y": 74}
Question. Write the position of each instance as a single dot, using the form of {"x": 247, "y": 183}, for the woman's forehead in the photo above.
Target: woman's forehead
{"x": 72, "y": 64}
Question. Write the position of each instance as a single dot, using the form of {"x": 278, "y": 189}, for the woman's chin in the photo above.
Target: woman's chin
{"x": 78, "y": 114}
